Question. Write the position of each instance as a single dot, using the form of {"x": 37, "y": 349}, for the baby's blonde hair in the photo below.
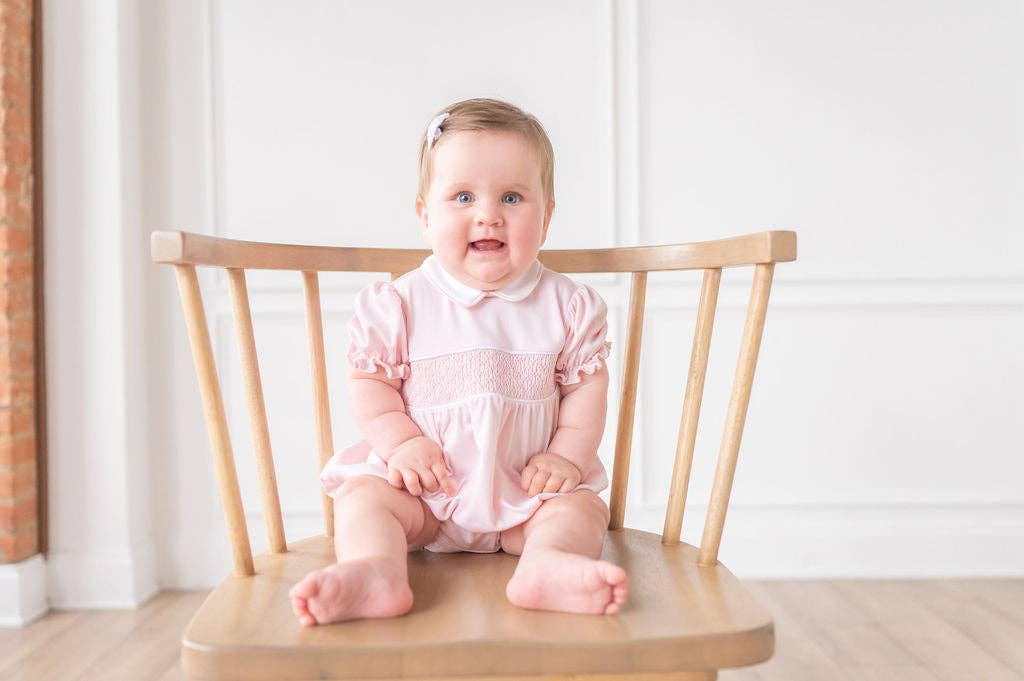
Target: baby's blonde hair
{"x": 489, "y": 114}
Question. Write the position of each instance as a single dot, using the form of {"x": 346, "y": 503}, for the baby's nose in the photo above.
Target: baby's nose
{"x": 488, "y": 215}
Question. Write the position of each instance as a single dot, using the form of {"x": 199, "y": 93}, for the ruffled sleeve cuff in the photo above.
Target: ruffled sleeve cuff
{"x": 585, "y": 347}
{"x": 369, "y": 364}
{"x": 574, "y": 374}
{"x": 376, "y": 332}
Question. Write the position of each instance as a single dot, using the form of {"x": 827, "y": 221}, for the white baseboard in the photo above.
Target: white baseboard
{"x": 102, "y": 579}
{"x": 22, "y": 591}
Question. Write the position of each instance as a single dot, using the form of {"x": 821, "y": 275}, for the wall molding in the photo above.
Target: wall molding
{"x": 23, "y": 591}
{"x": 762, "y": 540}
{"x": 860, "y": 540}
{"x": 121, "y": 578}
{"x": 684, "y": 294}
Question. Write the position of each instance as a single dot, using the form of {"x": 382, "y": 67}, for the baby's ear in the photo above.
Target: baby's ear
{"x": 421, "y": 211}
{"x": 547, "y": 221}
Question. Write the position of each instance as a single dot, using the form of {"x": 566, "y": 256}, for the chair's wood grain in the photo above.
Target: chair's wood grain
{"x": 259, "y": 431}
{"x": 737, "y": 413}
{"x": 318, "y": 378}
{"x": 680, "y": 617}
{"x": 692, "y": 397}
{"x": 216, "y": 419}
{"x": 627, "y": 403}
{"x": 186, "y": 248}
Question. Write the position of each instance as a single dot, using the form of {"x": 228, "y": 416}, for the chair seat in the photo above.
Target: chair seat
{"x": 679, "y": 617}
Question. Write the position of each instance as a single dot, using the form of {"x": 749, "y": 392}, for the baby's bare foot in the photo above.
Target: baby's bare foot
{"x": 350, "y": 590}
{"x": 568, "y": 582}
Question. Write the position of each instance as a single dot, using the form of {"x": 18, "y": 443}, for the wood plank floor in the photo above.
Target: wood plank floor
{"x": 843, "y": 630}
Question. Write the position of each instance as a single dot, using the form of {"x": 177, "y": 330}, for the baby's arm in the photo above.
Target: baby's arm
{"x": 414, "y": 460}
{"x": 581, "y": 418}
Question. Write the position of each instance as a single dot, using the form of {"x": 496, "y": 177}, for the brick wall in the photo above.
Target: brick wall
{"x": 19, "y": 510}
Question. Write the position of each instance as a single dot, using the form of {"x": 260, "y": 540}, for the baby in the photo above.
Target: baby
{"x": 479, "y": 384}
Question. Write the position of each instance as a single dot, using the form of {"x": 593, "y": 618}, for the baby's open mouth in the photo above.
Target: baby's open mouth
{"x": 487, "y": 245}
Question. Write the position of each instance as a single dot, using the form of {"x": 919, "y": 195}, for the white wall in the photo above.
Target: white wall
{"x": 880, "y": 438}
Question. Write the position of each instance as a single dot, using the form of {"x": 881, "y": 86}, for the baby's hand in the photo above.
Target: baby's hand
{"x": 548, "y": 472}
{"x": 417, "y": 464}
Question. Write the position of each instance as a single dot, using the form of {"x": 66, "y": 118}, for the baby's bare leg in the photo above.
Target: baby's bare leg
{"x": 375, "y": 525}
{"x": 559, "y": 567}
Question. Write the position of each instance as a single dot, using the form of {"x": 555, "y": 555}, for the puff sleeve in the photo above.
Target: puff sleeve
{"x": 377, "y": 332}
{"x": 585, "y": 345}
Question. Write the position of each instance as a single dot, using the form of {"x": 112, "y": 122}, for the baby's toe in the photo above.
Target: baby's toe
{"x": 612, "y": 574}
{"x": 305, "y": 588}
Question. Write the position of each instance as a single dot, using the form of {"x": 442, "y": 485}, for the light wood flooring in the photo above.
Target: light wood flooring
{"x": 877, "y": 630}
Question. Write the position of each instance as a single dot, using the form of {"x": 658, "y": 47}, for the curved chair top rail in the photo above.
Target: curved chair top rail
{"x": 186, "y": 248}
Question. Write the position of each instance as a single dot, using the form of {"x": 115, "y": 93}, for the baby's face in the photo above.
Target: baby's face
{"x": 486, "y": 186}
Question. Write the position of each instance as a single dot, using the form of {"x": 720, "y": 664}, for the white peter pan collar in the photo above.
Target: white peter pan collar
{"x": 469, "y": 296}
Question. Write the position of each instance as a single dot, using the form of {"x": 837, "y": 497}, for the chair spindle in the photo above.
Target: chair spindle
{"x": 691, "y": 406}
{"x": 737, "y": 414}
{"x": 627, "y": 404}
{"x": 216, "y": 420}
{"x": 321, "y": 398}
{"x": 257, "y": 410}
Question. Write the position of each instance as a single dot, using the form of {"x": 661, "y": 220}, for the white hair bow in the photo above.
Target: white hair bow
{"x": 434, "y": 129}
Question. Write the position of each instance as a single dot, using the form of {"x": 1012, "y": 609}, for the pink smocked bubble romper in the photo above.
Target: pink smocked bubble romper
{"x": 480, "y": 372}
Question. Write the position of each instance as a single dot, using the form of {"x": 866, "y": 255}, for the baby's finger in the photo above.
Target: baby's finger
{"x": 554, "y": 483}
{"x": 443, "y": 479}
{"x": 412, "y": 482}
{"x": 527, "y": 476}
{"x": 568, "y": 486}
{"x": 395, "y": 478}
{"x": 539, "y": 480}
{"x": 428, "y": 479}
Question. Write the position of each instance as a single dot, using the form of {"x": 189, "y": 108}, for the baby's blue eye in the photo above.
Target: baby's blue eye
{"x": 515, "y": 196}
{"x": 458, "y": 197}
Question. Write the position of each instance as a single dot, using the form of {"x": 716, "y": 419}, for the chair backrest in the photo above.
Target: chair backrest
{"x": 186, "y": 251}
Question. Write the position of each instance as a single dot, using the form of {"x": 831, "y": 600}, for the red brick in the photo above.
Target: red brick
{"x": 17, "y": 480}
{"x": 14, "y": 239}
{"x": 16, "y": 19}
{"x": 17, "y": 151}
{"x": 16, "y": 330}
{"x": 13, "y": 180}
{"x": 15, "y": 120}
{"x": 17, "y": 391}
{"x": 16, "y": 299}
{"x": 15, "y": 90}
{"x": 16, "y": 58}
{"x": 15, "y": 514}
{"x": 15, "y": 450}
{"x": 18, "y": 421}
{"x": 16, "y": 269}
{"x": 15, "y": 212}
{"x": 19, "y": 545}
{"x": 15, "y": 359}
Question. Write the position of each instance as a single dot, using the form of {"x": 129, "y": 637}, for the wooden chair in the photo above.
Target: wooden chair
{"x": 687, "y": 616}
